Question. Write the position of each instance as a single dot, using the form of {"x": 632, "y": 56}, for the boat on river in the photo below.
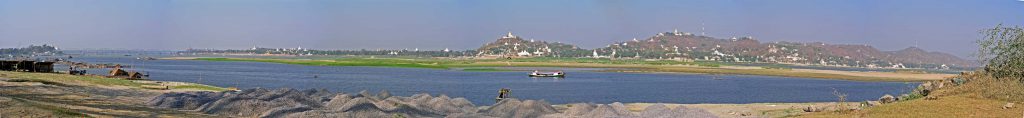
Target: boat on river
{"x": 547, "y": 74}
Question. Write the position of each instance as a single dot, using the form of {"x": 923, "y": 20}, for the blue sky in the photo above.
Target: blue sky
{"x": 939, "y": 25}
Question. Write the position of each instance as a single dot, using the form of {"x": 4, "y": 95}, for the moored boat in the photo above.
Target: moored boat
{"x": 547, "y": 74}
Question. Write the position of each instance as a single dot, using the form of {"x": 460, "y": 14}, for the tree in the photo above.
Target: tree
{"x": 1003, "y": 49}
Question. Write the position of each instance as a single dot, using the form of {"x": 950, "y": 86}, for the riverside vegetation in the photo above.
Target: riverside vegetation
{"x": 990, "y": 92}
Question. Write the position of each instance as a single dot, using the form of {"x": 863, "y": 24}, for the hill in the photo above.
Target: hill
{"x": 514, "y": 46}
{"x": 676, "y": 45}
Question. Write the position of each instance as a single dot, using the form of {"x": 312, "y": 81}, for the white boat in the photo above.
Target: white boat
{"x": 547, "y": 74}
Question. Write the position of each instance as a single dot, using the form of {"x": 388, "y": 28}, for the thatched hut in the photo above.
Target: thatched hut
{"x": 135, "y": 76}
{"x": 118, "y": 72}
{"x": 132, "y": 75}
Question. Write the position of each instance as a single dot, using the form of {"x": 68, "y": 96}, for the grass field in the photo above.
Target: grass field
{"x": 485, "y": 69}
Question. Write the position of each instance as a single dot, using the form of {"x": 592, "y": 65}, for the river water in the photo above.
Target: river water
{"x": 581, "y": 85}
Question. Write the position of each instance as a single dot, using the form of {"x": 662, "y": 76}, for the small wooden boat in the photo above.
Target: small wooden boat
{"x": 145, "y": 58}
{"x": 547, "y": 74}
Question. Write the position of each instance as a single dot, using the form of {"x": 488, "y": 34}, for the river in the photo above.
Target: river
{"x": 581, "y": 85}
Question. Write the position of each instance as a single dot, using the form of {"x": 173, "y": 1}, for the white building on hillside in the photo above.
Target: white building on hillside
{"x": 523, "y": 53}
{"x": 509, "y": 35}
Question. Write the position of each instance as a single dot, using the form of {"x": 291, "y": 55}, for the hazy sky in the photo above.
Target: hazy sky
{"x": 938, "y": 25}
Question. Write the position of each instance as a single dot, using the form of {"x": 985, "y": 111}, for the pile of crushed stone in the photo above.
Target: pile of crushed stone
{"x": 618, "y": 110}
{"x": 286, "y": 102}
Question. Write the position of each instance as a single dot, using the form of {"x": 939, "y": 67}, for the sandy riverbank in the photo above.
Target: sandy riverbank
{"x": 758, "y": 110}
{"x": 59, "y": 95}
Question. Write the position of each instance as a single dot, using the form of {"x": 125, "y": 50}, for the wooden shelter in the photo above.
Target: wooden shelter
{"x": 7, "y": 65}
{"x": 118, "y": 72}
{"x": 42, "y": 67}
{"x": 121, "y": 73}
{"x": 135, "y": 75}
{"x": 26, "y": 66}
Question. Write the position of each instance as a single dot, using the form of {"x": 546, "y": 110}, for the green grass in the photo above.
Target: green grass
{"x": 485, "y": 70}
{"x": 777, "y": 67}
{"x": 612, "y": 61}
{"x": 344, "y": 62}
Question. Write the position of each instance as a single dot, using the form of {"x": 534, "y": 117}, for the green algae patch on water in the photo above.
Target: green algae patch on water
{"x": 344, "y": 62}
{"x": 485, "y": 70}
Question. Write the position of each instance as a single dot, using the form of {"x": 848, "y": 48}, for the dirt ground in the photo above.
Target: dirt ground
{"x": 960, "y": 106}
{"x": 38, "y": 100}
{"x": 758, "y": 110}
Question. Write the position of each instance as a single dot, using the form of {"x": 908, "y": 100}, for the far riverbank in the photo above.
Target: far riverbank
{"x": 613, "y": 65}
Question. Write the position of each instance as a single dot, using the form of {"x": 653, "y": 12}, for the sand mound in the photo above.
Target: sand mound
{"x": 686, "y": 112}
{"x": 658, "y": 111}
{"x": 618, "y": 110}
{"x": 579, "y": 109}
{"x": 192, "y": 100}
{"x": 513, "y": 108}
{"x": 261, "y": 102}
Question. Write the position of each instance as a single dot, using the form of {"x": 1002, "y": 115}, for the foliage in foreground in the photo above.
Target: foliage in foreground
{"x": 1003, "y": 49}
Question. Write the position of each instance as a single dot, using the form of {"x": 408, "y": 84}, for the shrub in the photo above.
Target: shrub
{"x": 1003, "y": 49}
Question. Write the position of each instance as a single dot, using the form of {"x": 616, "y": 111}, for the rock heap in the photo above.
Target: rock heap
{"x": 261, "y": 102}
{"x": 618, "y": 110}
{"x": 286, "y": 102}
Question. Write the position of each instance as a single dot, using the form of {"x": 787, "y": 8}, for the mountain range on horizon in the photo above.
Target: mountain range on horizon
{"x": 688, "y": 46}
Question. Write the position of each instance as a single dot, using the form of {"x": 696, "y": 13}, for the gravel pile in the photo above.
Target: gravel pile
{"x": 618, "y": 110}
{"x": 513, "y": 108}
{"x": 261, "y": 102}
{"x": 286, "y": 102}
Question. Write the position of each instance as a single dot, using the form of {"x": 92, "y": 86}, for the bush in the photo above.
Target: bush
{"x": 1003, "y": 49}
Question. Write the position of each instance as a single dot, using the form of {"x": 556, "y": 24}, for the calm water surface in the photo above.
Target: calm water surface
{"x": 581, "y": 85}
